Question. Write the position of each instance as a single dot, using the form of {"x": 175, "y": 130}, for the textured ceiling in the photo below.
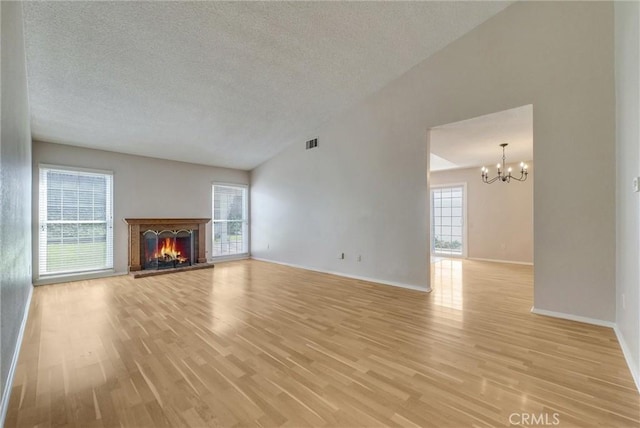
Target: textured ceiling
{"x": 476, "y": 142}
{"x": 227, "y": 84}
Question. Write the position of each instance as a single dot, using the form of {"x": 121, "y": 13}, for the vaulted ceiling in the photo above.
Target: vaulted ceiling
{"x": 220, "y": 83}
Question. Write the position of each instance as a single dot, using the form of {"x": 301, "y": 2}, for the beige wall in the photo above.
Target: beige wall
{"x": 143, "y": 187}
{"x": 499, "y": 215}
{"x": 364, "y": 190}
{"x": 15, "y": 192}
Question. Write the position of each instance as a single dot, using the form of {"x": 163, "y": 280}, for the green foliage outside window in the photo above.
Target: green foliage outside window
{"x": 447, "y": 245}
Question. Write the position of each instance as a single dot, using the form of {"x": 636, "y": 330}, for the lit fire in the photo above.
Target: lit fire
{"x": 168, "y": 251}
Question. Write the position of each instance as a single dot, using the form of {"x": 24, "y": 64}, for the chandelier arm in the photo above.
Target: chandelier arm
{"x": 487, "y": 181}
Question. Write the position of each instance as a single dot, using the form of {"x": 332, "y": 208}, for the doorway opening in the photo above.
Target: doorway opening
{"x": 472, "y": 215}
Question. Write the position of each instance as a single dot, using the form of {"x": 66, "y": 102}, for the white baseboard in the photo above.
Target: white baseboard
{"x": 4, "y": 404}
{"x": 623, "y": 344}
{"x": 570, "y": 317}
{"x": 627, "y": 356}
{"x": 501, "y": 261}
{"x": 361, "y": 278}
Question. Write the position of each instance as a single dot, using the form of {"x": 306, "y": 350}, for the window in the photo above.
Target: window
{"x": 75, "y": 221}
{"x": 447, "y": 220}
{"x": 230, "y": 225}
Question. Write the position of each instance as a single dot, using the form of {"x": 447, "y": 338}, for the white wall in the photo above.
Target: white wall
{"x": 15, "y": 193}
{"x": 143, "y": 187}
{"x": 364, "y": 189}
{"x": 499, "y": 215}
{"x": 627, "y": 60}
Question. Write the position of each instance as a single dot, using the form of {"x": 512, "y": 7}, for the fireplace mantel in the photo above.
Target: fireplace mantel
{"x": 137, "y": 226}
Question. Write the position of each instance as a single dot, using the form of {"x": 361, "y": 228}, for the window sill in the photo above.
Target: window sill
{"x": 70, "y": 277}
{"x": 220, "y": 259}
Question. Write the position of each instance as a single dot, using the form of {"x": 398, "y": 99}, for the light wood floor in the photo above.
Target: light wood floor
{"x": 256, "y": 344}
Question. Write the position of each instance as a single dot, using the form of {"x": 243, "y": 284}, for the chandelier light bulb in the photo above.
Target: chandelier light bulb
{"x": 498, "y": 166}
{"x": 509, "y": 169}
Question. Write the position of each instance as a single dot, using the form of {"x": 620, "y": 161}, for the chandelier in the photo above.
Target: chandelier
{"x": 502, "y": 175}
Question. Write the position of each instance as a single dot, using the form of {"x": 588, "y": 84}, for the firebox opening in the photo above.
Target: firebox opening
{"x": 168, "y": 249}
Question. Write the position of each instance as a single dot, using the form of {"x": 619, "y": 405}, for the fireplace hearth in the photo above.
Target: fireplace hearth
{"x": 159, "y": 245}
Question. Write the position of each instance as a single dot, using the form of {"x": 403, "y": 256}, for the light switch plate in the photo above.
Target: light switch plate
{"x": 636, "y": 184}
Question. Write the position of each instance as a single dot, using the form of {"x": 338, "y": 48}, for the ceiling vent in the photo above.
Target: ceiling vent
{"x": 312, "y": 144}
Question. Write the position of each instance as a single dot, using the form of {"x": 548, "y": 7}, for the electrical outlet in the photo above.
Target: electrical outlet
{"x": 359, "y": 258}
{"x": 341, "y": 256}
{"x": 636, "y": 184}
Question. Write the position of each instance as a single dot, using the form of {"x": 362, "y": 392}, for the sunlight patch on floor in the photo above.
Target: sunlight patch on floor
{"x": 446, "y": 282}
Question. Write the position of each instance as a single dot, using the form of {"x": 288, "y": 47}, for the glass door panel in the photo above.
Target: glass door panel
{"x": 447, "y": 220}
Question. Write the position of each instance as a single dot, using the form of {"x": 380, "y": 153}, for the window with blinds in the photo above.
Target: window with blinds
{"x": 75, "y": 221}
{"x": 230, "y": 224}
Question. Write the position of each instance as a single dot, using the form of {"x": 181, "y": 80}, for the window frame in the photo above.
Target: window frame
{"x": 245, "y": 221}
{"x": 465, "y": 234}
{"x": 41, "y": 277}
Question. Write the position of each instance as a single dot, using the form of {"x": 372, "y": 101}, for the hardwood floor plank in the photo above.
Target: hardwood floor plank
{"x": 256, "y": 344}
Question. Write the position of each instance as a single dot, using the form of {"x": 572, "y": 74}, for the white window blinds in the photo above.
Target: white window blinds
{"x": 75, "y": 221}
{"x": 230, "y": 225}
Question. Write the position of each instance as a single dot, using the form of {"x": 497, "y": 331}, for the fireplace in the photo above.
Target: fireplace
{"x": 166, "y": 244}
{"x": 167, "y": 249}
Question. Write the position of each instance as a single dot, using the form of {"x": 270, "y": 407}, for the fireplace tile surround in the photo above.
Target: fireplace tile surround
{"x": 138, "y": 226}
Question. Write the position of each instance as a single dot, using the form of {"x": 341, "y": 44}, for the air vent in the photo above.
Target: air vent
{"x": 311, "y": 144}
